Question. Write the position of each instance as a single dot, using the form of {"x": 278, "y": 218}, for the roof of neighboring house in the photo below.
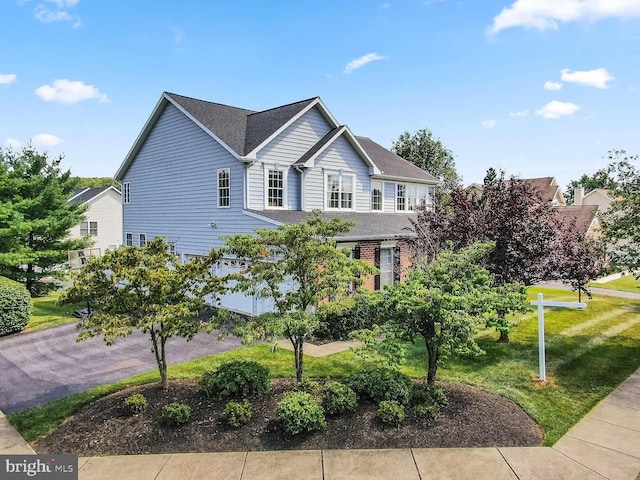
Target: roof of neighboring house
{"x": 548, "y": 188}
{"x": 602, "y": 191}
{"x": 367, "y": 226}
{"x": 392, "y": 165}
{"x": 84, "y": 195}
{"x": 584, "y": 215}
{"x": 243, "y": 132}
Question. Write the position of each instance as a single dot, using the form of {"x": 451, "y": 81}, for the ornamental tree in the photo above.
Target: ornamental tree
{"x": 146, "y": 289}
{"x": 444, "y": 302}
{"x": 35, "y": 217}
{"x": 296, "y": 266}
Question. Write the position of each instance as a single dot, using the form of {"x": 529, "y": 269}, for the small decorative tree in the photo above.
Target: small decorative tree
{"x": 297, "y": 266}
{"x": 146, "y": 289}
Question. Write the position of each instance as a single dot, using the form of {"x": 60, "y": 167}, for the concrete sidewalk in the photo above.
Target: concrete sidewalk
{"x": 604, "y": 445}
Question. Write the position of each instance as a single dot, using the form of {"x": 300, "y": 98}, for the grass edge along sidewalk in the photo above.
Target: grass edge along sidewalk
{"x": 589, "y": 353}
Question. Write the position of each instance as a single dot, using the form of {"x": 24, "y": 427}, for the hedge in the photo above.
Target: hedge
{"x": 15, "y": 306}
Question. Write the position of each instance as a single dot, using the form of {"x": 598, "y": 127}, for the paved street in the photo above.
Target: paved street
{"x": 45, "y": 365}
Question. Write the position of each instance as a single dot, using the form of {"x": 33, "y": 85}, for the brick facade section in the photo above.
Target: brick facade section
{"x": 367, "y": 254}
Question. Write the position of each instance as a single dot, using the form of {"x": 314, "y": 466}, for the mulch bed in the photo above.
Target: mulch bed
{"x": 472, "y": 418}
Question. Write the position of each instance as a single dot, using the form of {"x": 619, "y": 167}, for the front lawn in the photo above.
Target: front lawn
{"x": 45, "y": 312}
{"x": 628, "y": 283}
{"x": 589, "y": 353}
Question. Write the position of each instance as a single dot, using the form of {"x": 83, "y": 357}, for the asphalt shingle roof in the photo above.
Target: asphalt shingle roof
{"x": 378, "y": 226}
{"x": 84, "y": 195}
{"x": 582, "y": 214}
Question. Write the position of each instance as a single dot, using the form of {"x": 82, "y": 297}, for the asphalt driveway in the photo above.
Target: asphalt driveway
{"x": 37, "y": 367}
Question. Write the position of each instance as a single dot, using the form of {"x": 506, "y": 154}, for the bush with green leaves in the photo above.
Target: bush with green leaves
{"x": 15, "y": 306}
{"x": 381, "y": 383}
{"x": 391, "y": 412}
{"x": 339, "y": 319}
{"x": 176, "y": 414}
{"x": 236, "y": 379}
{"x": 338, "y": 398}
{"x": 238, "y": 414}
{"x": 309, "y": 386}
{"x": 300, "y": 412}
{"x": 136, "y": 403}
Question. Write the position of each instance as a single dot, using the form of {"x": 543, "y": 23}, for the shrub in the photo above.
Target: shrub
{"x": 236, "y": 379}
{"x": 381, "y": 383}
{"x": 15, "y": 306}
{"x": 299, "y": 411}
{"x": 339, "y": 319}
{"x": 425, "y": 393}
{"x": 176, "y": 413}
{"x": 238, "y": 413}
{"x": 338, "y": 398}
{"x": 391, "y": 412}
{"x": 309, "y": 386}
{"x": 136, "y": 403}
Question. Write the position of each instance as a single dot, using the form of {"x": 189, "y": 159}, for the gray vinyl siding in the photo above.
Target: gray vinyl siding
{"x": 340, "y": 155}
{"x": 174, "y": 187}
{"x": 284, "y": 150}
{"x": 389, "y": 197}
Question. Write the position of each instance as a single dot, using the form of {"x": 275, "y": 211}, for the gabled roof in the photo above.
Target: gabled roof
{"x": 367, "y": 226}
{"x": 584, "y": 215}
{"x": 84, "y": 195}
{"x": 548, "y": 188}
{"x": 393, "y": 166}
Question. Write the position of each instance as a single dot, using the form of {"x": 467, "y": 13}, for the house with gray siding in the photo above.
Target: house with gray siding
{"x": 199, "y": 171}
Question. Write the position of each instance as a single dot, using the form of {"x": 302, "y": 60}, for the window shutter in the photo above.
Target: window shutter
{"x": 376, "y": 263}
{"x": 397, "y": 265}
{"x": 356, "y": 253}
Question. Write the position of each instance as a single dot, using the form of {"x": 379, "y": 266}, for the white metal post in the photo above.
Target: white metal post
{"x": 541, "y": 349}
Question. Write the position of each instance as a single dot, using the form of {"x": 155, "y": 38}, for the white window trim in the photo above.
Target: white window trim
{"x": 395, "y": 198}
{"x": 382, "y": 183}
{"x": 406, "y": 198}
{"x": 285, "y": 194}
{"x": 126, "y": 193}
{"x": 140, "y": 238}
{"x": 341, "y": 173}
{"x": 126, "y": 235}
{"x": 228, "y": 170}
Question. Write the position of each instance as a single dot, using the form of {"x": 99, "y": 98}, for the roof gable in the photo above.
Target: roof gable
{"x": 85, "y": 195}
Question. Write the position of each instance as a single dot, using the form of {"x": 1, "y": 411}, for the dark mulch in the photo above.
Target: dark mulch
{"x": 472, "y": 418}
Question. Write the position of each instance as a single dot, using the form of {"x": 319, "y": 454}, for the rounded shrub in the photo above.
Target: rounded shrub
{"x": 427, "y": 399}
{"x": 299, "y": 412}
{"x": 236, "y": 379}
{"x": 391, "y": 412}
{"x": 136, "y": 403}
{"x": 309, "y": 386}
{"x": 176, "y": 414}
{"x": 238, "y": 413}
{"x": 15, "y": 306}
{"x": 381, "y": 383}
{"x": 338, "y": 398}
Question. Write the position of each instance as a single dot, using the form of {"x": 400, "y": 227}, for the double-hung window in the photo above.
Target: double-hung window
{"x": 401, "y": 197}
{"x": 276, "y": 181}
{"x": 376, "y": 195}
{"x": 409, "y": 197}
{"x": 143, "y": 239}
{"x": 128, "y": 239}
{"x": 339, "y": 191}
{"x": 89, "y": 228}
{"x": 224, "y": 188}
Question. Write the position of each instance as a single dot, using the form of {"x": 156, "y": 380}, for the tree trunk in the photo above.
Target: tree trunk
{"x": 157, "y": 346}
{"x": 432, "y": 359}
{"x": 298, "y": 346}
{"x": 504, "y": 337}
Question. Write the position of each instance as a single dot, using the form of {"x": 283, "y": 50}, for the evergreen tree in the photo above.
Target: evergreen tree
{"x": 35, "y": 217}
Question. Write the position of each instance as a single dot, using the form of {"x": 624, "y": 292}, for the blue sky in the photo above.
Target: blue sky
{"x": 535, "y": 87}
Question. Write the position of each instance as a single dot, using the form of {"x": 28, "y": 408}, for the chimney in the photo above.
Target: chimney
{"x": 578, "y": 195}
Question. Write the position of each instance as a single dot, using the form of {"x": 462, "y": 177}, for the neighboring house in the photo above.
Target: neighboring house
{"x": 103, "y": 218}
{"x": 600, "y": 197}
{"x": 586, "y": 217}
{"x": 548, "y": 188}
{"x": 200, "y": 170}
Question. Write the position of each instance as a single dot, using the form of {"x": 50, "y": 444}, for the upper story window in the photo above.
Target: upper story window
{"x": 339, "y": 191}
{"x": 409, "y": 197}
{"x": 143, "y": 239}
{"x": 276, "y": 188}
{"x": 126, "y": 192}
{"x": 89, "y": 228}
{"x": 224, "y": 188}
{"x": 128, "y": 239}
{"x": 376, "y": 195}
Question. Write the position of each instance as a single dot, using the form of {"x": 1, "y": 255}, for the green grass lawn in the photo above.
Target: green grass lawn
{"x": 45, "y": 312}
{"x": 628, "y": 283}
{"x": 589, "y": 353}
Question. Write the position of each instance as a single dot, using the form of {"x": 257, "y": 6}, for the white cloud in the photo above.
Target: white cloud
{"x": 552, "y": 86}
{"x": 557, "y": 109}
{"x": 64, "y": 3}
{"x": 362, "y": 61}
{"x": 46, "y": 140}
{"x": 488, "y": 123}
{"x": 592, "y": 78}
{"x": 386, "y": 5}
{"x": 57, "y": 12}
{"x": 48, "y": 16}
{"x": 522, "y": 113}
{"x": 6, "y": 78}
{"x": 69, "y": 92}
{"x": 547, "y": 14}
{"x": 12, "y": 143}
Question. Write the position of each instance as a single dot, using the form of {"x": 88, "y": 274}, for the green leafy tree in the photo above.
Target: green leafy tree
{"x": 429, "y": 153}
{"x": 444, "y": 302}
{"x": 297, "y": 266}
{"x": 622, "y": 221}
{"x": 97, "y": 182}
{"x": 145, "y": 289}
{"x": 35, "y": 217}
